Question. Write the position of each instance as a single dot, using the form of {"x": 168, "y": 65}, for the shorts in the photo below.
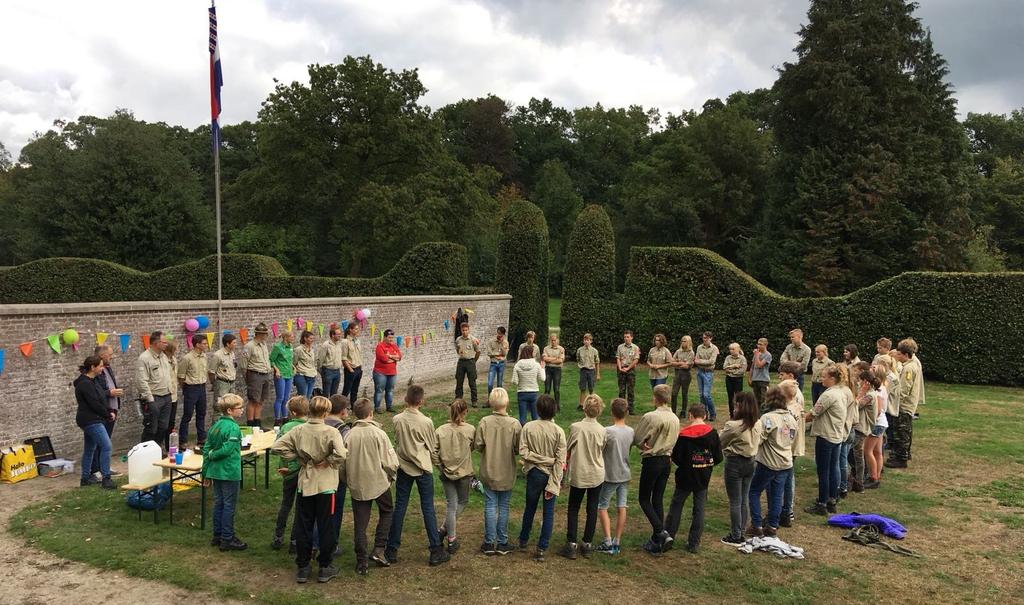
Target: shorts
{"x": 587, "y": 379}
{"x": 621, "y": 490}
{"x": 877, "y": 430}
{"x": 257, "y": 386}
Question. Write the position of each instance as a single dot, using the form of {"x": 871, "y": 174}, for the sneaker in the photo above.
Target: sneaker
{"x": 786, "y": 520}
{"x": 770, "y": 532}
{"x": 890, "y": 463}
{"x": 362, "y": 569}
{"x": 524, "y": 544}
{"x": 391, "y": 555}
{"x": 858, "y": 488}
{"x": 604, "y": 547}
{"x": 326, "y": 574}
{"x": 585, "y": 550}
{"x": 302, "y": 575}
{"x": 215, "y": 541}
{"x": 666, "y": 541}
{"x": 504, "y": 548}
{"x": 453, "y": 546}
{"x": 108, "y": 483}
{"x": 872, "y": 485}
{"x": 830, "y": 506}
{"x": 693, "y": 548}
{"x": 843, "y": 493}
{"x": 97, "y": 477}
{"x": 569, "y": 551}
{"x": 732, "y": 540}
{"x": 489, "y": 548}
{"x": 816, "y": 509}
{"x": 87, "y": 482}
{"x": 754, "y": 532}
{"x": 442, "y": 533}
{"x": 438, "y": 556}
{"x": 233, "y": 544}
{"x": 379, "y": 558}
{"x": 116, "y": 474}
{"x": 652, "y": 548}
{"x": 538, "y": 555}
{"x": 277, "y": 543}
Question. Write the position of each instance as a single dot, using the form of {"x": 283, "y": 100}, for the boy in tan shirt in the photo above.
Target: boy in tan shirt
{"x": 656, "y": 437}
{"x": 497, "y": 440}
{"x": 589, "y": 361}
{"x": 369, "y": 471}
{"x": 416, "y": 446}
{"x": 585, "y": 451}
{"x": 542, "y": 447}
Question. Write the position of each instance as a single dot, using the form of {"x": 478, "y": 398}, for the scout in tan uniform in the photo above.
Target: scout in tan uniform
{"x": 911, "y": 395}
{"x": 328, "y": 361}
{"x": 828, "y": 425}
{"x": 154, "y": 380}
{"x": 818, "y": 364}
{"x": 352, "y": 360}
{"x": 468, "y": 349}
{"x": 589, "y": 362}
{"x": 221, "y": 367}
{"x": 735, "y": 366}
{"x": 798, "y": 352}
{"x": 553, "y": 357}
{"x": 705, "y": 358}
{"x": 369, "y": 471}
{"x": 497, "y": 440}
{"x": 737, "y": 440}
{"x": 585, "y": 450}
{"x": 531, "y": 340}
{"x": 542, "y": 447}
{"x": 258, "y": 376}
{"x": 795, "y": 405}
{"x": 656, "y": 436}
{"x": 627, "y": 356}
{"x": 455, "y": 461}
{"x": 193, "y": 374}
{"x": 774, "y": 434}
{"x": 416, "y": 445}
{"x": 659, "y": 360}
{"x": 304, "y": 361}
{"x": 682, "y": 361}
{"x": 497, "y": 352}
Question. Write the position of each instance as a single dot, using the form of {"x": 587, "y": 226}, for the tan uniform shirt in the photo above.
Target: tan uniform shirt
{"x": 796, "y": 407}
{"x": 497, "y": 440}
{"x": 328, "y": 355}
{"x": 706, "y": 357}
{"x": 455, "y": 449}
{"x": 372, "y": 461}
{"x": 867, "y": 412}
{"x": 556, "y": 353}
{"x": 313, "y": 443}
{"x": 467, "y": 348}
{"x": 352, "y": 352}
{"x": 799, "y": 354}
{"x": 586, "y": 453}
{"x": 587, "y": 357}
{"x": 895, "y": 391}
{"x": 734, "y": 365}
{"x": 153, "y": 375}
{"x": 222, "y": 365}
{"x": 658, "y": 356}
{"x": 818, "y": 366}
{"x": 256, "y": 357}
{"x": 736, "y": 441}
{"x": 304, "y": 360}
{"x": 911, "y": 386}
{"x": 687, "y": 356}
{"x": 774, "y": 433}
{"x": 626, "y": 355}
{"x": 830, "y": 415}
{"x": 497, "y": 350}
{"x": 542, "y": 445}
{"x": 415, "y": 442}
{"x": 192, "y": 369}
{"x": 852, "y": 411}
{"x": 536, "y": 351}
{"x": 659, "y": 429}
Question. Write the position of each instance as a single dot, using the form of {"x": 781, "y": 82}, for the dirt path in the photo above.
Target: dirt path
{"x": 33, "y": 577}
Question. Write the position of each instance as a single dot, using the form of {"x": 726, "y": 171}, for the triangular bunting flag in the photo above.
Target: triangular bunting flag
{"x": 446, "y": 325}
{"x": 274, "y": 328}
{"x": 321, "y": 328}
{"x": 2, "y": 355}
{"x": 309, "y": 326}
{"x": 398, "y": 340}
{"x": 209, "y": 339}
{"x": 243, "y": 334}
{"x": 299, "y": 322}
{"x": 344, "y": 324}
{"x": 125, "y": 339}
{"x": 26, "y": 349}
{"x": 145, "y": 341}
{"x": 54, "y": 342}
{"x": 289, "y": 325}
{"x": 101, "y": 337}
{"x": 74, "y": 347}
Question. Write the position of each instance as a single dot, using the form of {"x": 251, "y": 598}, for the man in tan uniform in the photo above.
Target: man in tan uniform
{"x": 221, "y": 367}
{"x": 258, "y": 376}
{"x": 468, "y": 349}
{"x": 192, "y": 373}
{"x": 911, "y": 387}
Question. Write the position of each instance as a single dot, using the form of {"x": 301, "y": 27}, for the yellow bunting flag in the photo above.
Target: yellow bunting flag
{"x": 101, "y": 337}
{"x": 209, "y": 339}
{"x": 309, "y": 326}
{"x": 289, "y": 325}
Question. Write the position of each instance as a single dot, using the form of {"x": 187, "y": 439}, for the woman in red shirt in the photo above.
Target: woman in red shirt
{"x": 385, "y": 368}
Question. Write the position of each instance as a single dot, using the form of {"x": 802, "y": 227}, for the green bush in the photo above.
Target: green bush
{"x": 968, "y": 325}
{"x": 429, "y": 267}
{"x": 589, "y": 301}
{"x": 522, "y": 270}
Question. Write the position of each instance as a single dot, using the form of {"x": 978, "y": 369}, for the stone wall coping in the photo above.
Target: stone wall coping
{"x": 127, "y": 306}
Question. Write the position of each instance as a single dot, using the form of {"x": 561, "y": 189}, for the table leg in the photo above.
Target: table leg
{"x": 266, "y": 470}
{"x": 171, "y": 498}
{"x": 202, "y": 504}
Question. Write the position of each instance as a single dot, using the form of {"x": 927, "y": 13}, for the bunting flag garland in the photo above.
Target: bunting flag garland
{"x": 125, "y": 339}
{"x": 101, "y": 337}
{"x": 398, "y": 341}
{"x": 145, "y": 341}
{"x": 54, "y": 342}
{"x": 26, "y": 349}
{"x": 243, "y": 334}
{"x": 74, "y": 347}
{"x": 344, "y": 324}
{"x": 299, "y": 322}
{"x": 274, "y": 328}
{"x": 289, "y": 326}
{"x": 309, "y": 326}
{"x": 321, "y": 328}
{"x": 446, "y": 325}
{"x": 209, "y": 339}
{"x": 2, "y": 355}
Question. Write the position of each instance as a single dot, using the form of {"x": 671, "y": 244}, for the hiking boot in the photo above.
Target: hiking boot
{"x": 362, "y": 569}
{"x": 843, "y": 493}
{"x": 569, "y": 551}
{"x": 379, "y": 558}
{"x": 391, "y": 555}
{"x": 215, "y": 541}
{"x": 732, "y": 540}
{"x": 503, "y": 548}
{"x": 817, "y": 509}
{"x": 524, "y": 544}
{"x": 858, "y": 488}
{"x": 754, "y": 531}
{"x": 770, "y": 532}
{"x": 693, "y": 548}
{"x": 830, "y": 506}
{"x": 665, "y": 540}
{"x": 302, "y": 575}
{"x": 326, "y": 574}
{"x": 453, "y": 546}
{"x": 107, "y": 483}
{"x": 786, "y": 520}
{"x": 277, "y": 543}
{"x": 585, "y": 550}
{"x": 538, "y": 555}
{"x": 439, "y": 555}
{"x": 489, "y": 548}
{"x": 872, "y": 485}
{"x": 88, "y": 481}
{"x": 233, "y": 544}
{"x": 890, "y": 463}
{"x": 442, "y": 533}
{"x": 652, "y": 548}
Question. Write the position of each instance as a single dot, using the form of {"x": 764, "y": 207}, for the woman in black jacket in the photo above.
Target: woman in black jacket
{"x": 92, "y": 413}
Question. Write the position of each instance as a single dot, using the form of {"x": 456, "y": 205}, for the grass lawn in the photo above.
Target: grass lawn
{"x": 554, "y": 312}
{"x": 961, "y": 500}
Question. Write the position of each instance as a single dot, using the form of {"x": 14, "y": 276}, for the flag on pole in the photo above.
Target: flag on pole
{"x": 216, "y": 79}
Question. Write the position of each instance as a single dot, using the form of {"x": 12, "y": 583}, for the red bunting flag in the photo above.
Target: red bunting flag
{"x": 26, "y": 349}
{"x": 145, "y": 341}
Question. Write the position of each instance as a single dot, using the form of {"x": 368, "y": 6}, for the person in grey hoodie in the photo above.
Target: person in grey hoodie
{"x": 528, "y": 376}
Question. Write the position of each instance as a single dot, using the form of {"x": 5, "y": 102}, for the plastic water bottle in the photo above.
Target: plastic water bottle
{"x": 172, "y": 444}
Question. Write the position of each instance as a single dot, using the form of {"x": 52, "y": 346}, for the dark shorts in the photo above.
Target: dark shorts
{"x": 587, "y": 379}
{"x": 257, "y": 386}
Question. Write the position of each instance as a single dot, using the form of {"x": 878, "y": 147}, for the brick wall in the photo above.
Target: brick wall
{"x": 36, "y": 397}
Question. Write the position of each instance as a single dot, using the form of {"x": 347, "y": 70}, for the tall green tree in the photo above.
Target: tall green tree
{"x": 479, "y": 132}
{"x": 542, "y": 132}
{"x": 871, "y": 175}
{"x": 993, "y": 137}
{"x": 557, "y": 197}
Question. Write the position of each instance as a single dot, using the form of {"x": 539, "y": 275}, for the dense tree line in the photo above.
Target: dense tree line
{"x": 851, "y": 168}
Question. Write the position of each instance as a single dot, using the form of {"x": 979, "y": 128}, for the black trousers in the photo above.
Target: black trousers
{"x": 733, "y": 385}
{"x": 675, "y": 513}
{"x": 576, "y": 495}
{"x": 289, "y": 486}
{"x": 681, "y": 384}
{"x": 156, "y": 417}
{"x": 654, "y": 471}
{"x": 361, "y": 520}
{"x": 317, "y": 509}
{"x": 553, "y": 382}
{"x": 466, "y": 368}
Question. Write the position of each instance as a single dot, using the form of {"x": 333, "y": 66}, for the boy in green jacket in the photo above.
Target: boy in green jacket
{"x": 222, "y": 465}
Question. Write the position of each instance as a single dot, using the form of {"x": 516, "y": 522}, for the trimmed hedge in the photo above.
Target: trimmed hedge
{"x": 427, "y": 268}
{"x": 589, "y": 301}
{"x": 522, "y": 270}
{"x": 969, "y": 326}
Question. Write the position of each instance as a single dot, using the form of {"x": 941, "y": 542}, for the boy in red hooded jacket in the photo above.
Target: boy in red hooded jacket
{"x": 696, "y": 453}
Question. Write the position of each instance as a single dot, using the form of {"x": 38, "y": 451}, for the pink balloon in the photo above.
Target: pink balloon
{"x": 360, "y": 315}
{"x": 191, "y": 325}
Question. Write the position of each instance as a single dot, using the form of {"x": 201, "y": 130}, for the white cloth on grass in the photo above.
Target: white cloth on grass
{"x": 771, "y": 545}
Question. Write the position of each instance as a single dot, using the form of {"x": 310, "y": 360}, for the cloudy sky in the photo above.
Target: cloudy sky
{"x": 63, "y": 59}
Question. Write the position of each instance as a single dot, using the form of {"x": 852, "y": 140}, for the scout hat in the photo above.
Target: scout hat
{"x": 261, "y": 328}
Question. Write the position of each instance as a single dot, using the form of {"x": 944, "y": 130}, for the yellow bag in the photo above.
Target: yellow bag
{"x": 17, "y": 463}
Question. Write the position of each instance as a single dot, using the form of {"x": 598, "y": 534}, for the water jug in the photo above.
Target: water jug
{"x": 172, "y": 444}
{"x": 140, "y": 463}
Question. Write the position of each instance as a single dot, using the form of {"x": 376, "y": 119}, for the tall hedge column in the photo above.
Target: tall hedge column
{"x": 588, "y": 288}
{"x": 522, "y": 270}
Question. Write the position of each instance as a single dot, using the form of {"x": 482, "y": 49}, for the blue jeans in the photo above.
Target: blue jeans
{"x": 97, "y": 442}
{"x": 536, "y": 481}
{"x": 303, "y": 386}
{"x": 350, "y": 387}
{"x": 775, "y": 483}
{"x": 816, "y": 390}
{"x": 383, "y": 386}
{"x": 331, "y": 378}
{"x": 496, "y": 516}
{"x": 704, "y": 380}
{"x": 800, "y": 381}
{"x": 282, "y": 389}
{"x": 826, "y": 461}
{"x": 656, "y": 381}
{"x": 844, "y": 462}
{"x": 527, "y": 401}
{"x": 790, "y": 493}
{"x": 225, "y": 499}
{"x": 403, "y": 491}
{"x": 495, "y": 375}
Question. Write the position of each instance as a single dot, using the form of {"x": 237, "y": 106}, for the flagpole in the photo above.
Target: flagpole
{"x": 215, "y": 94}
{"x": 220, "y": 276}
